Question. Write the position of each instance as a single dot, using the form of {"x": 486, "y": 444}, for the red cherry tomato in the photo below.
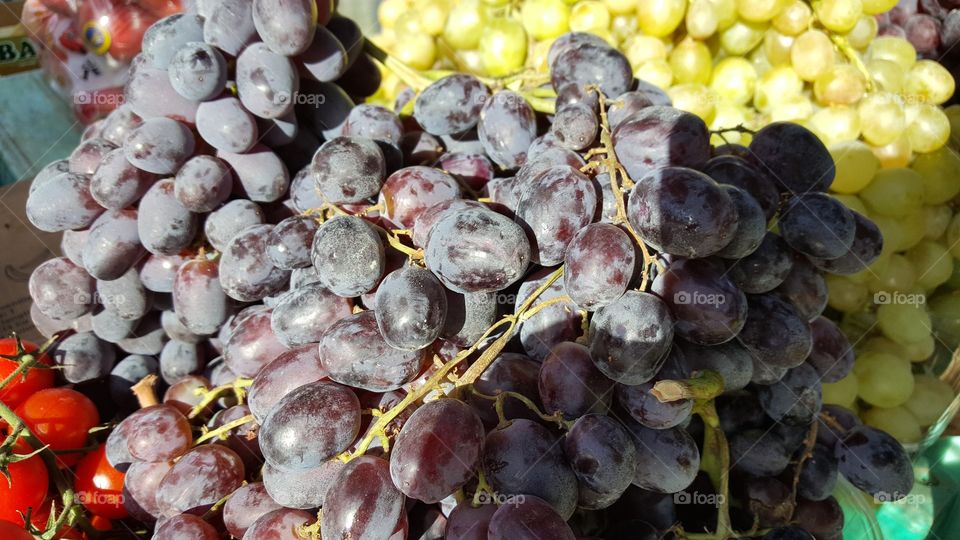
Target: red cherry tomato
{"x": 27, "y": 487}
{"x": 19, "y": 388}
{"x": 12, "y": 531}
{"x": 60, "y": 417}
{"x": 99, "y": 486}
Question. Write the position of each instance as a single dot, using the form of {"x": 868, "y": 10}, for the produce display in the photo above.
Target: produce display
{"x": 526, "y": 305}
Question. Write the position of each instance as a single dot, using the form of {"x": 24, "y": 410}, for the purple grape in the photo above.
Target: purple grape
{"x": 183, "y": 526}
{"x": 741, "y": 173}
{"x": 411, "y": 307}
{"x": 86, "y": 157}
{"x": 150, "y": 95}
{"x": 159, "y": 145}
{"x": 832, "y": 354}
{"x": 116, "y": 183}
{"x": 775, "y": 334}
{"x": 575, "y": 126}
{"x": 252, "y": 343}
{"x": 61, "y": 290}
{"x": 63, "y": 202}
{"x": 349, "y": 256}
{"x": 229, "y": 25}
{"x": 571, "y": 384}
{"x": 591, "y": 62}
{"x": 246, "y": 273}
{"x": 84, "y": 357}
{"x": 291, "y": 370}
{"x": 373, "y": 122}
{"x": 554, "y": 324}
{"x": 805, "y": 288}
{"x": 225, "y": 125}
{"x": 200, "y": 478}
{"x": 661, "y": 136}
{"x": 604, "y": 458}
{"x": 165, "y": 226}
{"x": 325, "y": 59}
{"x": 531, "y": 518}
{"x": 411, "y": 190}
{"x": 302, "y": 315}
{"x": 730, "y": 360}
{"x": 261, "y": 174}
{"x": 285, "y": 26}
{"x": 667, "y": 459}
{"x": 450, "y": 105}
{"x": 649, "y": 411}
{"x": 198, "y": 299}
{"x": 630, "y": 338}
{"x": 266, "y": 81}
{"x": 818, "y": 225}
{"x": 708, "y": 308}
{"x": 766, "y": 268}
{"x": 506, "y": 128}
{"x": 803, "y": 165}
{"x": 245, "y": 506}
{"x": 348, "y": 169}
{"x": 118, "y": 124}
{"x": 865, "y": 250}
{"x": 875, "y": 462}
{"x": 202, "y": 184}
{"x": 555, "y": 206}
{"x": 367, "y": 505}
{"x": 198, "y": 71}
{"x": 113, "y": 246}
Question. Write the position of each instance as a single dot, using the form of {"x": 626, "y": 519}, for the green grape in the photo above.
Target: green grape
{"x": 928, "y": 81}
{"x": 851, "y": 201}
{"x": 895, "y": 49}
{"x": 933, "y": 263}
{"x": 641, "y": 49}
{"x": 464, "y": 25}
{"x": 775, "y": 85}
{"x": 389, "y": 10}
{"x": 795, "y": 108}
{"x": 408, "y": 24}
{"x": 874, "y": 7}
{"x": 838, "y": 15}
{"x": 887, "y": 75}
{"x": 812, "y": 55}
{"x": 734, "y": 79}
{"x": 901, "y": 233}
{"x": 759, "y": 10}
{"x": 701, "y": 19}
{"x": 417, "y": 50}
{"x": 921, "y": 350}
{"x": 897, "y": 275}
{"x": 928, "y": 127}
{"x": 690, "y": 62}
{"x": 953, "y": 236}
{"x": 503, "y": 47}
{"x": 940, "y": 172}
{"x": 624, "y": 26}
{"x": 863, "y": 33}
{"x": 882, "y": 118}
{"x": 945, "y": 313}
{"x": 695, "y": 98}
{"x": 433, "y": 17}
{"x": 726, "y": 11}
{"x": 954, "y": 281}
{"x": 894, "y": 192}
{"x": 842, "y": 392}
{"x": 883, "y": 379}
{"x": 953, "y": 114}
{"x": 836, "y": 124}
{"x": 929, "y": 399}
{"x": 895, "y": 154}
{"x": 660, "y": 17}
{"x": 728, "y": 115}
{"x": 840, "y": 85}
{"x": 496, "y": 3}
{"x": 545, "y": 19}
{"x": 777, "y": 47}
{"x": 897, "y": 421}
{"x": 794, "y": 19}
{"x": 621, "y": 7}
{"x": 938, "y": 218}
{"x": 903, "y": 322}
{"x": 656, "y": 72}
{"x": 845, "y": 295}
{"x": 855, "y": 164}
{"x": 741, "y": 37}
{"x": 589, "y": 16}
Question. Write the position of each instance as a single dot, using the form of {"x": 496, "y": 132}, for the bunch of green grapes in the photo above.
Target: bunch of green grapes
{"x": 904, "y": 309}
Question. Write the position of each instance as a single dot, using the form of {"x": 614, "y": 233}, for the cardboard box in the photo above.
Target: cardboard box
{"x": 17, "y": 52}
{"x": 24, "y": 248}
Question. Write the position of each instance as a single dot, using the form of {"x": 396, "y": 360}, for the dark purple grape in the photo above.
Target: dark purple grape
{"x": 184, "y": 394}
{"x": 649, "y": 411}
{"x": 682, "y": 212}
{"x": 301, "y": 488}
{"x": 366, "y": 505}
{"x": 118, "y": 124}
{"x": 128, "y": 372}
{"x": 818, "y": 225}
{"x": 866, "y": 248}
{"x": 730, "y": 360}
{"x": 768, "y": 502}
{"x": 468, "y": 522}
{"x": 183, "y": 526}
{"x": 349, "y": 256}
{"x": 818, "y": 475}
{"x": 252, "y": 343}
{"x": 428, "y": 217}
{"x": 598, "y": 265}
{"x": 229, "y": 220}
{"x": 117, "y": 183}
{"x": 805, "y": 288}
{"x": 832, "y": 355}
{"x": 474, "y": 170}
{"x": 740, "y": 172}
{"x": 261, "y": 174}
{"x": 324, "y": 108}
{"x": 72, "y": 245}
{"x": 302, "y": 315}
{"x": 325, "y": 59}
{"x": 450, "y": 105}
{"x": 801, "y": 166}
{"x": 575, "y": 126}
{"x": 202, "y": 184}
{"x": 149, "y": 94}
{"x": 228, "y": 25}
{"x": 290, "y": 370}
{"x": 708, "y": 308}
{"x": 572, "y": 40}
{"x": 373, "y": 122}
{"x": 658, "y": 137}
{"x": 310, "y": 425}
{"x": 83, "y": 357}
{"x": 554, "y": 207}
{"x": 245, "y": 506}
{"x": 355, "y": 353}
{"x": 828, "y": 433}
{"x": 524, "y": 458}
{"x": 667, "y": 459}
{"x": 411, "y": 190}
{"x": 157, "y": 433}
{"x": 821, "y": 519}
{"x": 165, "y": 37}
{"x": 555, "y": 324}
{"x": 63, "y": 202}
{"x": 756, "y": 452}
{"x": 775, "y": 334}
{"x": 477, "y": 250}
{"x": 573, "y": 94}
{"x": 266, "y": 81}
{"x": 198, "y": 299}
{"x": 507, "y": 127}
{"x": 796, "y": 399}
{"x": 281, "y": 524}
{"x": 179, "y": 360}
{"x": 86, "y": 157}
{"x": 225, "y": 125}
{"x": 422, "y": 148}
{"x": 630, "y": 338}
{"x": 286, "y": 27}
{"x": 140, "y": 486}
{"x": 246, "y": 273}
{"x": 348, "y": 169}
{"x": 108, "y": 326}
{"x": 531, "y": 518}
{"x": 411, "y": 307}
{"x": 468, "y": 317}
{"x": 571, "y": 384}
{"x": 148, "y": 338}
{"x": 751, "y": 225}
{"x": 603, "y": 457}
{"x": 509, "y": 372}
{"x": 198, "y": 71}
{"x": 626, "y": 105}
{"x": 590, "y": 62}
{"x": 199, "y": 479}
{"x": 113, "y": 246}
{"x": 164, "y": 225}
{"x": 765, "y": 269}
{"x": 159, "y": 145}
{"x": 876, "y": 463}
{"x": 437, "y": 450}
{"x": 290, "y": 242}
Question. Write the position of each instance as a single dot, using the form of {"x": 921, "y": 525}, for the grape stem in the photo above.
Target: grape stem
{"x": 145, "y": 392}
{"x": 716, "y": 463}
{"x": 238, "y": 387}
{"x": 704, "y": 385}
{"x": 223, "y": 431}
{"x": 844, "y": 46}
{"x": 408, "y": 75}
{"x": 808, "y": 443}
{"x": 502, "y": 396}
{"x": 482, "y": 487}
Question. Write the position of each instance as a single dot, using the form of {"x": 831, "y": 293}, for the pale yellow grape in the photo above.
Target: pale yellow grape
{"x": 734, "y": 79}
{"x": 606, "y": 35}
{"x": 928, "y": 127}
{"x": 863, "y": 33}
{"x": 954, "y": 281}
{"x": 896, "y": 421}
{"x": 660, "y": 17}
{"x": 701, "y": 19}
{"x": 945, "y": 311}
{"x": 940, "y": 171}
{"x": 726, "y": 11}
{"x": 928, "y": 81}
{"x": 389, "y": 10}
{"x": 775, "y": 85}
{"x": 883, "y": 379}
{"x": 656, "y": 72}
{"x": 640, "y": 49}
{"x": 855, "y": 166}
{"x": 846, "y": 295}
{"x": 417, "y": 50}
{"x": 895, "y": 49}
{"x": 741, "y": 37}
{"x": 758, "y": 57}
{"x": 953, "y": 236}
{"x": 921, "y": 350}
{"x": 933, "y": 263}
{"x": 953, "y": 114}
{"x": 729, "y": 115}
{"x": 464, "y": 25}
{"x": 842, "y": 392}
{"x": 903, "y": 322}
{"x": 695, "y": 98}
{"x": 929, "y": 399}
{"x": 691, "y": 62}
{"x": 938, "y": 219}
{"x": 901, "y": 233}
{"x": 887, "y": 75}
{"x": 894, "y": 192}
{"x": 873, "y": 7}
{"x": 408, "y": 24}
{"x": 835, "y": 124}
{"x": 538, "y": 56}
{"x": 503, "y": 47}
{"x": 589, "y": 15}
{"x": 898, "y": 275}
{"x": 793, "y": 108}
{"x": 433, "y": 16}
{"x": 794, "y": 19}
{"x": 545, "y": 19}
{"x": 838, "y": 15}
{"x": 895, "y": 154}
{"x": 777, "y": 47}
{"x": 842, "y": 84}
{"x": 851, "y": 201}
{"x": 759, "y": 10}
{"x": 882, "y": 118}
{"x": 623, "y": 27}
{"x": 496, "y": 3}
{"x": 811, "y": 55}
{"x": 621, "y": 7}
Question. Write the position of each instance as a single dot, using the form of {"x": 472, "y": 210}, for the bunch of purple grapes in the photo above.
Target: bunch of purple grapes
{"x": 931, "y": 26}
{"x": 363, "y": 303}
